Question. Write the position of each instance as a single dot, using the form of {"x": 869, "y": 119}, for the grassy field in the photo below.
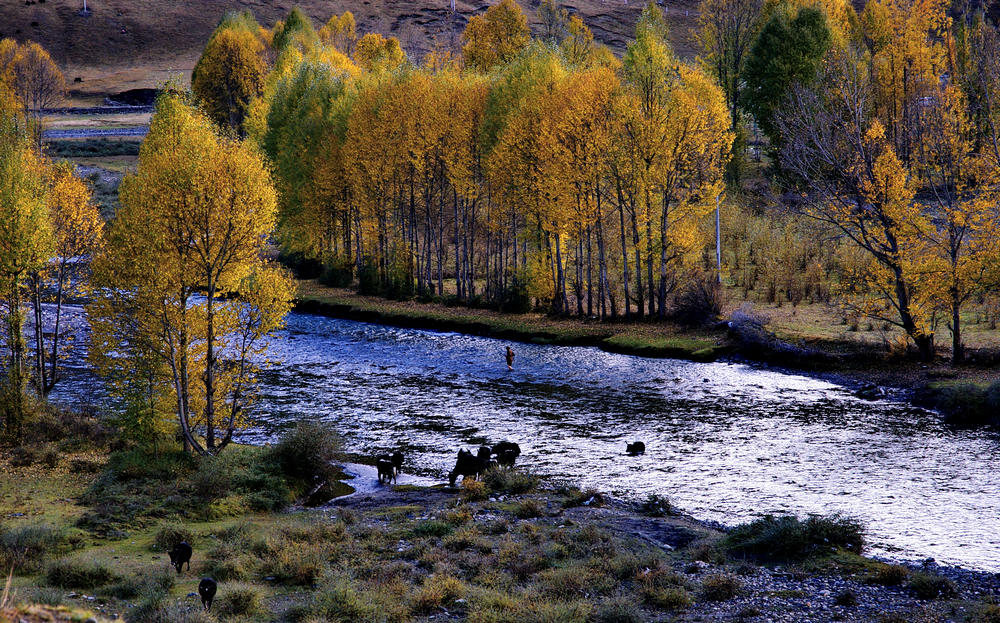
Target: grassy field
{"x": 505, "y": 549}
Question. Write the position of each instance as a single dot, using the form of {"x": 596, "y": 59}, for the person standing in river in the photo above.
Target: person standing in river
{"x": 510, "y": 358}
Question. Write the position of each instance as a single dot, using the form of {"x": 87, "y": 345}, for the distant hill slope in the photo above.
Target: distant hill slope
{"x": 130, "y": 43}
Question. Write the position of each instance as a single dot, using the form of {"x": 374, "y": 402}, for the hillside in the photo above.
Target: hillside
{"x": 135, "y": 43}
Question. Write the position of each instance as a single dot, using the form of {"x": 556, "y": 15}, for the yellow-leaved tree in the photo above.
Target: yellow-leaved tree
{"x": 25, "y": 245}
{"x": 231, "y": 70}
{"x": 184, "y": 285}
{"x": 79, "y": 234}
{"x": 495, "y": 37}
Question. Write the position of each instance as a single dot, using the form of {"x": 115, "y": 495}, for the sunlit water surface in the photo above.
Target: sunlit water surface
{"x": 725, "y": 441}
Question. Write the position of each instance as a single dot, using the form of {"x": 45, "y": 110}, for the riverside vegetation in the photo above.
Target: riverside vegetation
{"x": 511, "y": 172}
{"x": 87, "y": 535}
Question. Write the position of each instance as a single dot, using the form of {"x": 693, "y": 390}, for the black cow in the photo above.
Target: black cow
{"x": 506, "y": 452}
{"x": 388, "y": 466}
{"x": 180, "y": 554}
{"x": 635, "y": 448}
{"x": 468, "y": 465}
{"x": 207, "y": 589}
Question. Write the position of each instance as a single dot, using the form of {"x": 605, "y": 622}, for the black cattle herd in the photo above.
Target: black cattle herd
{"x": 468, "y": 465}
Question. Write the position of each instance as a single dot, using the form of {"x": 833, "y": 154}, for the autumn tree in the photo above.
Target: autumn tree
{"x": 554, "y": 20}
{"x": 340, "y": 32}
{"x": 496, "y": 36}
{"x": 727, "y": 30}
{"x": 297, "y": 29}
{"x": 373, "y": 51}
{"x": 231, "y": 70}
{"x": 184, "y": 266}
{"x": 859, "y": 185}
{"x": 79, "y": 231}
{"x": 25, "y": 245}
{"x": 34, "y": 78}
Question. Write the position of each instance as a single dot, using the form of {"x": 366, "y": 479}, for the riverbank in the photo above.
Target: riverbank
{"x": 506, "y": 549}
{"x": 796, "y": 341}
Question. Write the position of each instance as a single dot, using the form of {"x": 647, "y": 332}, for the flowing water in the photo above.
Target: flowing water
{"x": 724, "y": 441}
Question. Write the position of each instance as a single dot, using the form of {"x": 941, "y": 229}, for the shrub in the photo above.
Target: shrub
{"x": 577, "y": 497}
{"x": 987, "y": 613}
{"x": 510, "y": 480}
{"x": 293, "y": 563}
{"x": 618, "y": 610}
{"x": 930, "y": 586}
{"x": 170, "y": 534}
{"x": 338, "y": 273}
{"x": 437, "y": 591}
{"x": 78, "y": 574}
{"x": 968, "y": 404}
{"x": 528, "y": 509}
{"x": 657, "y": 506}
{"x": 156, "y": 583}
{"x": 301, "y": 266}
{"x": 889, "y": 575}
{"x": 474, "y": 490}
{"x": 788, "y": 538}
{"x": 720, "y": 587}
{"x": 845, "y": 598}
{"x": 50, "y": 455}
{"x": 699, "y": 301}
{"x": 23, "y": 456}
{"x": 213, "y": 479}
{"x": 25, "y": 547}
{"x": 432, "y": 528}
{"x": 667, "y": 598}
{"x": 141, "y": 464}
{"x": 306, "y": 453}
{"x": 240, "y": 600}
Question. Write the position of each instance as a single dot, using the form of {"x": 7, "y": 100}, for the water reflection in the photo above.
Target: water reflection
{"x": 724, "y": 441}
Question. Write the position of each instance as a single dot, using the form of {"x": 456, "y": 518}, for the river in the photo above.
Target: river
{"x": 725, "y": 441}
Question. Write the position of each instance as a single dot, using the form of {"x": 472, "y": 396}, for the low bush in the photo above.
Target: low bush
{"x": 170, "y": 534}
{"x": 141, "y": 464}
{"x": 150, "y": 585}
{"x": 657, "y": 506}
{"x": 889, "y": 575}
{"x": 293, "y": 563}
{"x": 969, "y": 405}
{"x": 720, "y": 587}
{"x": 930, "y": 586}
{"x": 24, "y": 548}
{"x": 846, "y": 598}
{"x": 699, "y": 302}
{"x": 789, "y": 538}
{"x": 242, "y": 600}
{"x": 79, "y": 574}
{"x": 671, "y": 599}
{"x": 432, "y": 528}
{"x": 529, "y": 509}
{"x": 618, "y": 610}
{"x": 474, "y": 490}
{"x": 581, "y": 497}
{"x": 437, "y": 591}
{"x": 305, "y": 455}
{"x": 338, "y": 273}
{"x": 503, "y": 480}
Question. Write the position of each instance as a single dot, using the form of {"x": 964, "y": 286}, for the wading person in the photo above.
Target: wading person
{"x": 510, "y": 358}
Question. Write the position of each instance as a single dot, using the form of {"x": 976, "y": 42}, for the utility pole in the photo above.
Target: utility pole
{"x": 718, "y": 240}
